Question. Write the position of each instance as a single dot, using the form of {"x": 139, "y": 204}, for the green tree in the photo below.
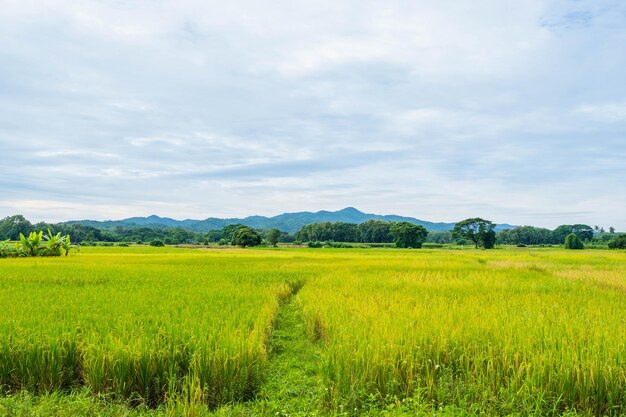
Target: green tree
{"x": 611, "y": 230}
{"x": 618, "y": 243}
{"x": 12, "y": 226}
{"x": 157, "y": 242}
{"x": 489, "y": 239}
{"x": 246, "y": 236}
{"x": 583, "y": 231}
{"x": 408, "y": 235}
{"x": 526, "y": 235}
{"x": 345, "y": 232}
{"x": 572, "y": 241}
{"x": 229, "y": 231}
{"x": 440, "y": 237}
{"x": 272, "y": 237}
{"x": 375, "y": 231}
{"x": 323, "y": 231}
{"x": 478, "y": 231}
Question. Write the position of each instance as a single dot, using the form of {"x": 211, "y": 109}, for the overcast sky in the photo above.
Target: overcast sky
{"x": 441, "y": 110}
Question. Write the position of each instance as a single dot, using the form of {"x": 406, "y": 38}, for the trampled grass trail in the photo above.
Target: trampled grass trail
{"x": 293, "y": 386}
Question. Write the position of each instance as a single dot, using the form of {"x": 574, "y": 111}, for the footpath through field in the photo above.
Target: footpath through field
{"x": 293, "y": 386}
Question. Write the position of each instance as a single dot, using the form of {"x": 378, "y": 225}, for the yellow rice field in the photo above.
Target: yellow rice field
{"x": 497, "y": 332}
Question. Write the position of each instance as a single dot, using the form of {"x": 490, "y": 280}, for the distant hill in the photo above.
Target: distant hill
{"x": 288, "y": 222}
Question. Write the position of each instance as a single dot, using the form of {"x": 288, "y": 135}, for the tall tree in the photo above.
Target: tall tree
{"x": 526, "y": 235}
{"x": 12, "y": 226}
{"x": 246, "y": 236}
{"x": 583, "y": 231}
{"x": 272, "y": 237}
{"x": 375, "y": 231}
{"x": 479, "y": 231}
{"x": 408, "y": 235}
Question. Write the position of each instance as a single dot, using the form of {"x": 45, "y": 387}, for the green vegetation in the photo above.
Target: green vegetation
{"x": 371, "y": 232}
{"x": 36, "y": 244}
{"x": 110, "y": 322}
{"x": 494, "y": 331}
{"x": 166, "y": 331}
{"x": 246, "y": 236}
{"x": 272, "y": 237}
{"x": 583, "y": 232}
{"x": 572, "y": 241}
{"x": 478, "y": 231}
{"x": 618, "y": 243}
{"x": 408, "y": 235}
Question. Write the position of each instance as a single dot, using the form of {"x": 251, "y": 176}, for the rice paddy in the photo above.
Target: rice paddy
{"x": 167, "y": 331}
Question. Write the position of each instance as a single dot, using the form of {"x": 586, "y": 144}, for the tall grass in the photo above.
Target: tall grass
{"x": 143, "y": 326}
{"x": 507, "y": 331}
{"x": 531, "y": 331}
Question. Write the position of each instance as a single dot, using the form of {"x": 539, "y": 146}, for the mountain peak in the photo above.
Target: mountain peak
{"x": 350, "y": 210}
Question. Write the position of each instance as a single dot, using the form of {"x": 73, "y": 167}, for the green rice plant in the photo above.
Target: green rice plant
{"x": 141, "y": 324}
{"x": 536, "y": 332}
{"x": 533, "y": 332}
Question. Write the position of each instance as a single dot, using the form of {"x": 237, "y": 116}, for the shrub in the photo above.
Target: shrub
{"x": 7, "y": 250}
{"x": 618, "y": 243}
{"x": 572, "y": 241}
{"x": 315, "y": 244}
{"x": 342, "y": 245}
{"x": 157, "y": 243}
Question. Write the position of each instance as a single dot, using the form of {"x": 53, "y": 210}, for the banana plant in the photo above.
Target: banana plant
{"x": 54, "y": 243}
{"x": 32, "y": 243}
{"x": 7, "y": 250}
{"x": 66, "y": 244}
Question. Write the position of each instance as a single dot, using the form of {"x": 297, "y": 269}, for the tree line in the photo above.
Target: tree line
{"x": 476, "y": 231}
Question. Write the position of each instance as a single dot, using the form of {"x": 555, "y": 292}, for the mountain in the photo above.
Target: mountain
{"x": 288, "y": 222}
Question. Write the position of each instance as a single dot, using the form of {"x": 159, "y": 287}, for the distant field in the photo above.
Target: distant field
{"x": 169, "y": 331}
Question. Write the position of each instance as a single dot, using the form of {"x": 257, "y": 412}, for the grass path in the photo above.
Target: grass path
{"x": 293, "y": 386}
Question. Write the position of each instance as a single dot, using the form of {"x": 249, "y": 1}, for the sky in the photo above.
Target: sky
{"x": 440, "y": 110}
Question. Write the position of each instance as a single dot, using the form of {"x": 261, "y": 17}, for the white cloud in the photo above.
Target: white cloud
{"x": 436, "y": 110}
{"x": 609, "y": 112}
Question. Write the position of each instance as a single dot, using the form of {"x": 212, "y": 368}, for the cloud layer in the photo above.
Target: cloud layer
{"x": 511, "y": 111}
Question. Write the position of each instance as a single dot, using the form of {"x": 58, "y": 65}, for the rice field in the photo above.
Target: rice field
{"x": 536, "y": 332}
{"x": 507, "y": 331}
{"x": 140, "y": 324}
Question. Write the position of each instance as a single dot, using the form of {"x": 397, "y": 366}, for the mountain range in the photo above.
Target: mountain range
{"x": 288, "y": 222}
